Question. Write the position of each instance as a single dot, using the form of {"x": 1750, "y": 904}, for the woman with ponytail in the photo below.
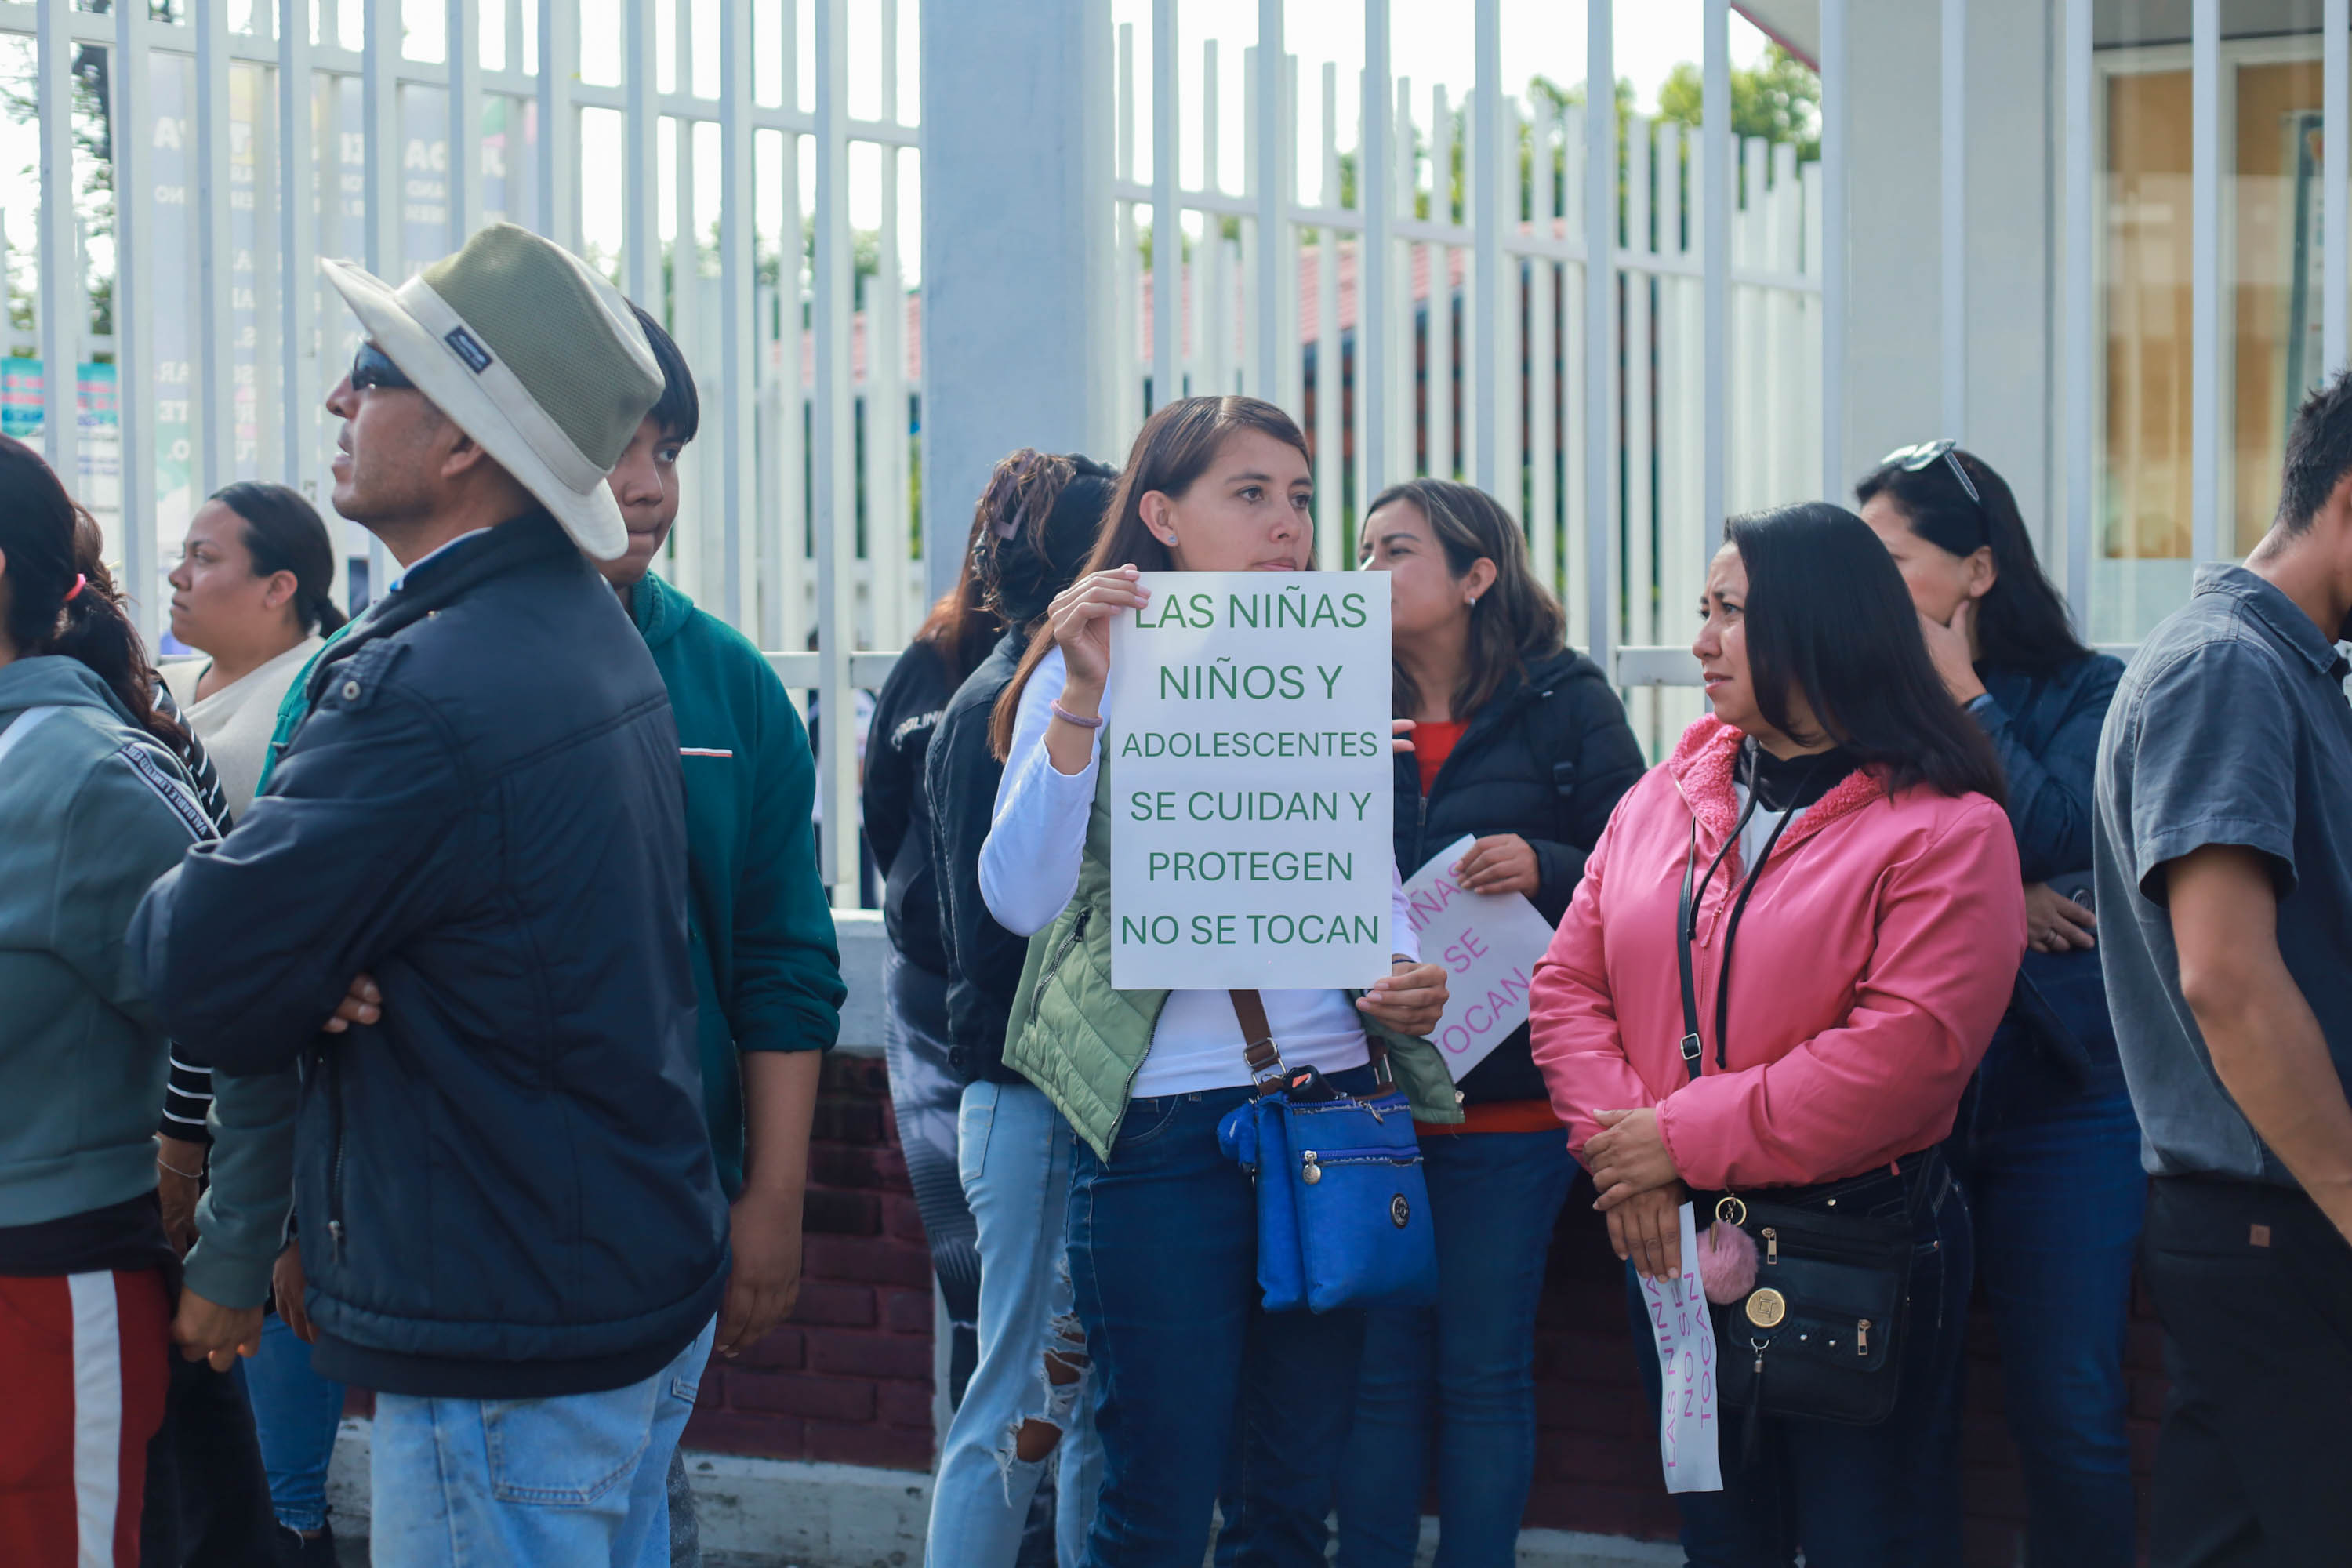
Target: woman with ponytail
{"x": 251, "y": 591}
{"x": 94, "y": 806}
{"x": 1024, "y": 1419}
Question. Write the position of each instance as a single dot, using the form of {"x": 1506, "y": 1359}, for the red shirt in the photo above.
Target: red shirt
{"x": 1432, "y": 744}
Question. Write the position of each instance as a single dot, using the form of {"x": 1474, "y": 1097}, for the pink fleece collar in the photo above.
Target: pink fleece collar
{"x": 1702, "y": 768}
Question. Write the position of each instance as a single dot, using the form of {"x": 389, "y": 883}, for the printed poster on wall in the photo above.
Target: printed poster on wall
{"x": 1253, "y": 782}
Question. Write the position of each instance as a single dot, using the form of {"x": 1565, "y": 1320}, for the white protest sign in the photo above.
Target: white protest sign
{"x": 1687, "y": 1410}
{"x": 1253, "y": 782}
{"x": 1488, "y": 943}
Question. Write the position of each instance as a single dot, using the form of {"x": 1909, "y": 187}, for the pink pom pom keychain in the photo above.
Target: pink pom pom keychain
{"x": 1726, "y": 1263}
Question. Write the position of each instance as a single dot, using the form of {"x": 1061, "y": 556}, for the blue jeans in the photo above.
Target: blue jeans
{"x": 1014, "y": 1151}
{"x": 1467, "y": 1364}
{"x": 1193, "y": 1375}
{"x": 1850, "y": 1496}
{"x": 296, "y": 1413}
{"x": 2058, "y": 1194}
{"x": 580, "y": 1480}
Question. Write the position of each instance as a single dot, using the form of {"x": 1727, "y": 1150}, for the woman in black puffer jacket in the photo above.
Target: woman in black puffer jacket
{"x": 1520, "y": 743}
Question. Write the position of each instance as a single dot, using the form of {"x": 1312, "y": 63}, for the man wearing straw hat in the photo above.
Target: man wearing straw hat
{"x": 511, "y": 1225}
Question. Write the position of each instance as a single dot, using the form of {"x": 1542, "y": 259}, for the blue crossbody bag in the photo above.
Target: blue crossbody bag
{"x": 1342, "y": 1205}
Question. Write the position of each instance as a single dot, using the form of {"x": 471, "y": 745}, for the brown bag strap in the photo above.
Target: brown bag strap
{"x": 1263, "y": 1057}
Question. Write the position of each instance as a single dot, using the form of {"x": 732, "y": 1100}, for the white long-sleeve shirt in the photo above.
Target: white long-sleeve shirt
{"x": 1029, "y": 869}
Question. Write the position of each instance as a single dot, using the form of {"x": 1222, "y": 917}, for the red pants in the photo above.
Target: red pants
{"x": 84, "y": 1360}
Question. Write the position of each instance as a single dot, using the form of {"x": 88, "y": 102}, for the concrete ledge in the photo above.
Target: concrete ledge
{"x": 766, "y": 1510}
{"x": 779, "y": 1511}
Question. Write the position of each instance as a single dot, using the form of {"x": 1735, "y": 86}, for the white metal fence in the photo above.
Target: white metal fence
{"x": 183, "y": 209}
{"x": 235, "y": 143}
{"x": 1463, "y": 333}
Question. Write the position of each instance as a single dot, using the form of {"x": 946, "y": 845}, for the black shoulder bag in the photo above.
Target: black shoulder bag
{"x": 1824, "y": 1323}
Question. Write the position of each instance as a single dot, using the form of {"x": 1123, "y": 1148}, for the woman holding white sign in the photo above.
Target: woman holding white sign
{"x": 1840, "y": 819}
{"x": 1520, "y": 745}
{"x": 1163, "y": 1225}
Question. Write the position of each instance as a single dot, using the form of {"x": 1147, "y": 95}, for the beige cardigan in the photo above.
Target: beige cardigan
{"x": 235, "y": 722}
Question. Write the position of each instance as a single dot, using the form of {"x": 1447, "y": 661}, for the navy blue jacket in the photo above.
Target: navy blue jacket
{"x": 505, "y": 1188}
{"x": 2045, "y": 730}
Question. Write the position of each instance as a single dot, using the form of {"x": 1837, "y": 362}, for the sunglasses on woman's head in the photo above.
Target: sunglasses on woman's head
{"x": 371, "y": 367}
{"x": 1914, "y": 460}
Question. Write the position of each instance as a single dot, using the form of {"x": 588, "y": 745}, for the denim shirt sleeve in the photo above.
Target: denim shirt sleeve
{"x": 2049, "y": 774}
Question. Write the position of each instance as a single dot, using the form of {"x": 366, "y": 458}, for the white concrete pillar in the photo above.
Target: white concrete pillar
{"x": 1893, "y": 356}
{"x": 1016, "y": 247}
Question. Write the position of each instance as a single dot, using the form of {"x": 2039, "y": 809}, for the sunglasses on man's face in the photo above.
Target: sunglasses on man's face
{"x": 1914, "y": 460}
{"x": 371, "y": 367}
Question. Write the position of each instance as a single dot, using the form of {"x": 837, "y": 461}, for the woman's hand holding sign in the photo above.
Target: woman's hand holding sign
{"x": 1641, "y": 1191}
{"x": 1628, "y": 1156}
{"x": 1411, "y": 1000}
{"x": 1081, "y": 616}
{"x": 1502, "y": 863}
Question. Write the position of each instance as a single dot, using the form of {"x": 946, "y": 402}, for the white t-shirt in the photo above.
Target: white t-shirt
{"x": 1029, "y": 869}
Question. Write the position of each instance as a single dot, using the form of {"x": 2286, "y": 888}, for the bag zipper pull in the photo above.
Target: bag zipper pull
{"x": 1310, "y": 1173}
{"x": 1862, "y": 1338}
{"x": 335, "y": 1230}
{"x": 1771, "y": 1245}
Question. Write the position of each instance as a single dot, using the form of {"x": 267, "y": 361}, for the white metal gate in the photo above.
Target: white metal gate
{"x": 242, "y": 141}
{"x": 1679, "y": 380}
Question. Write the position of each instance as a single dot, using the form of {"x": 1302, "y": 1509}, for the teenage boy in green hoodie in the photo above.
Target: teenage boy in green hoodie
{"x": 767, "y": 968}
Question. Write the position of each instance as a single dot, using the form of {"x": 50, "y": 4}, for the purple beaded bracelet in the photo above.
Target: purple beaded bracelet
{"x": 1067, "y": 717}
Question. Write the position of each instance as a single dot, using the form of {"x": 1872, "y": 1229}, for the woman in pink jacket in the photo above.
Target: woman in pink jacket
{"x": 1840, "y": 819}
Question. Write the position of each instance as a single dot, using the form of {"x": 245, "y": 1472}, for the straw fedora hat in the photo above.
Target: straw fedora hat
{"x": 533, "y": 355}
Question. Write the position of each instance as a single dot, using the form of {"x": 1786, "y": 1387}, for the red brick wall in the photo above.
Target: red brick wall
{"x": 848, "y": 1379}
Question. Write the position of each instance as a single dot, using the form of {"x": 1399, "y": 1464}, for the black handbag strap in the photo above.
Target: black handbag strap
{"x": 1686, "y": 930}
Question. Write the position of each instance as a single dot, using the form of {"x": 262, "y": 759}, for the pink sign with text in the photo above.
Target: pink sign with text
{"x": 1489, "y": 944}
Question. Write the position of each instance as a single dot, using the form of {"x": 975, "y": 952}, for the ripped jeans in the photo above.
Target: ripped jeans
{"x": 1014, "y": 1151}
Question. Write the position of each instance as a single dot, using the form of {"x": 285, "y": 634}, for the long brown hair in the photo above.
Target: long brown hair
{"x": 959, "y": 626}
{"x": 50, "y": 540}
{"x": 1513, "y": 623}
{"x": 1176, "y": 446}
{"x": 1009, "y": 527}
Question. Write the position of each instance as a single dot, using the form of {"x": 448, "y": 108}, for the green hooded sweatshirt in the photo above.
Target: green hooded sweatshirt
{"x": 767, "y": 967}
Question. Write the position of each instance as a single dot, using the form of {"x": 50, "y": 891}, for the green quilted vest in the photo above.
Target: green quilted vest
{"x": 1082, "y": 1040}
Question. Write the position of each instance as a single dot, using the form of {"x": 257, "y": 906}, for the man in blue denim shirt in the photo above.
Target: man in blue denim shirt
{"x": 2224, "y": 854}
